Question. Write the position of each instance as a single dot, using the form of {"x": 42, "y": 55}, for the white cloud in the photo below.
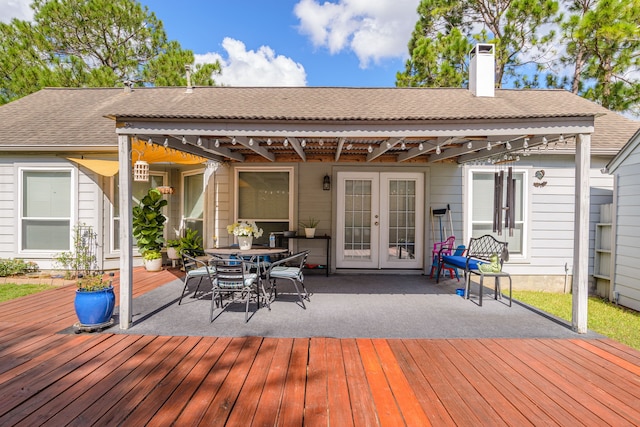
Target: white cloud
{"x": 263, "y": 67}
{"x": 19, "y": 9}
{"x": 373, "y": 30}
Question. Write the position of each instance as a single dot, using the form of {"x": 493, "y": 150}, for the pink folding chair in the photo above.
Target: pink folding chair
{"x": 440, "y": 249}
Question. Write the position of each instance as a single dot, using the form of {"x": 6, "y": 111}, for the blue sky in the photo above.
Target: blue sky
{"x": 286, "y": 42}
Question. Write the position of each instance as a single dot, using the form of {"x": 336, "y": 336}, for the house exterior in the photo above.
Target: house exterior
{"x": 625, "y": 234}
{"x": 263, "y": 153}
{"x": 370, "y": 164}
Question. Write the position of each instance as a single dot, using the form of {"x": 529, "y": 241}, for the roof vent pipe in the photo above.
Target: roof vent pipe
{"x": 482, "y": 70}
{"x": 187, "y": 69}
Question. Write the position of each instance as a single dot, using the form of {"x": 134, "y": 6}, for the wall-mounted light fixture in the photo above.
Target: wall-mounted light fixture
{"x": 326, "y": 183}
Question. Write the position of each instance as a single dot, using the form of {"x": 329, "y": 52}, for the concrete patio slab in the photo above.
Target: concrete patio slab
{"x": 351, "y": 306}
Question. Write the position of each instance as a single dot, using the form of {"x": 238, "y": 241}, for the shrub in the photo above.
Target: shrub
{"x": 12, "y": 267}
{"x": 82, "y": 259}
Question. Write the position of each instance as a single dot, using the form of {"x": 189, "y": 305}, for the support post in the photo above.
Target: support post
{"x": 580, "y": 287}
{"x": 126, "y": 234}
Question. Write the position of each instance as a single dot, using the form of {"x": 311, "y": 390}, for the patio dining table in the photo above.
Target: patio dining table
{"x": 259, "y": 253}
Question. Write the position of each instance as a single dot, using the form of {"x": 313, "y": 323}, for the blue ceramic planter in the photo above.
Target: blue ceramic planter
{"x": 95, "y": 307}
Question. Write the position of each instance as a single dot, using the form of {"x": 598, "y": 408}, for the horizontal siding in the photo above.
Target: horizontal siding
{"x": 627, "y": 279}
{"x": 553, "y": 213}
{"x": 446, "y": 188}
{"x": 8, "y": 212}
{"x": 552, "y": 218}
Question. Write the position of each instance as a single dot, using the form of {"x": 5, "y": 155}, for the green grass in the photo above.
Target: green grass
{"x": 615, "y": 322}
{"x": 11, "y": 290}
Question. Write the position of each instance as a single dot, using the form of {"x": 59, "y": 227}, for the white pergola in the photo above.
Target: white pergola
{"x": 271, "y": 141}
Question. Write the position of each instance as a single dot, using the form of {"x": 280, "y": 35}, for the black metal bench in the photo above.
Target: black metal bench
{"x": 479, "y": 251}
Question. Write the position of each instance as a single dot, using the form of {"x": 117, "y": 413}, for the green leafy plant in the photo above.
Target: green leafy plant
{"x": 310, "y": 223}
{"x": 12, "y": 267}
{"x": 92, "y": 282}
{"x": 148, "y": 222}
{"x": 82, "y": 258}
{"x": 173, "y": 243}
{"x": 151, "y": 255}
{"x": 191, "y": 243}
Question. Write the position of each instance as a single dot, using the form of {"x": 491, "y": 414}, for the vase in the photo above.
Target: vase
{"x": 245, "y": 242}
{"x": 310, "y": 233}
{"x": 153, "y": 264}
{"x": 94, "y": 307}
{"x": 172, "y": 253}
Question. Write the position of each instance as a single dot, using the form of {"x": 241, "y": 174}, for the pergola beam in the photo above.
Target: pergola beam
{"x": 297, "y": 147}
{"x": 255, "y": 147}
{"x": 383, "y": 148}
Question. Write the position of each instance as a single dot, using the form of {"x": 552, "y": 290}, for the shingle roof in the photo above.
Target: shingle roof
{"x": 343, "y": 104}
{"x": 76, "y": 117}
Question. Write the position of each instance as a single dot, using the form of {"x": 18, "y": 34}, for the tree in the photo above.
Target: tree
{"x": 91, "y": 43}
{"x": 602, "y": 40}
{"x": 446, "y": 31}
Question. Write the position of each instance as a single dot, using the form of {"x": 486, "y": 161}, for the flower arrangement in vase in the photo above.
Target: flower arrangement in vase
{"x": 245, "y": 231}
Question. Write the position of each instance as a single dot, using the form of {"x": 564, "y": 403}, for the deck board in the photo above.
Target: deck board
{"x": 270, "y": 401}
{"x": 292, "y": 403}
{"x": 316, "y": 402}
{"x": 338, "y": 402}
{"x": 244, "y": 409}
{"x": 362, "y": 407}
{"x": 53, "y": 378}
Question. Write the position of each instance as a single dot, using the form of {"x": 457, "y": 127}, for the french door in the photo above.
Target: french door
{"x": 380, "y": 219}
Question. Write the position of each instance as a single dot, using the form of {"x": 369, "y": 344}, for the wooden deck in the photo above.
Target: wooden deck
{"x": 104, "y": 379}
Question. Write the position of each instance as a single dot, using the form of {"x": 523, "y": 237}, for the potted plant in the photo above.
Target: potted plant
{"x": 152, "y": 260}
{"x": 173, "y": 249}
{"x": 245, "y": 231}
{"x": 309, "y": 227}
{"x": 191, "y": 243}
{"x": 148, "y": 228}
{"x": 94, "y": 301}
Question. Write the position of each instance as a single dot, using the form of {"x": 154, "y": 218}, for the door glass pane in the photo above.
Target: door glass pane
{"x": 402, "y": 219}
{"x": 357, "y": 227}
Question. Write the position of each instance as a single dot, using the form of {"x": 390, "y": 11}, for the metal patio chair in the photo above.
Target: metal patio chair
{"x": 289, "y": 268}
{"x": 232, "y": 277}
{"x": 194, "y": 269}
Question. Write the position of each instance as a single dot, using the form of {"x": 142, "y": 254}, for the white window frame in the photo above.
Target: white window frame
{"x": 183, "y": 218}
{"x": 236, "y": 191}
{"x": 20, "y": 197}
{"x": 526, "y": 209}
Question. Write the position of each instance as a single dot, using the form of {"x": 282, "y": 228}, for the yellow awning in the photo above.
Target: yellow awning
{"x": 160, "y": 154}
{"x": 140, "y": 151}
{"x": 101, "y": 167}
